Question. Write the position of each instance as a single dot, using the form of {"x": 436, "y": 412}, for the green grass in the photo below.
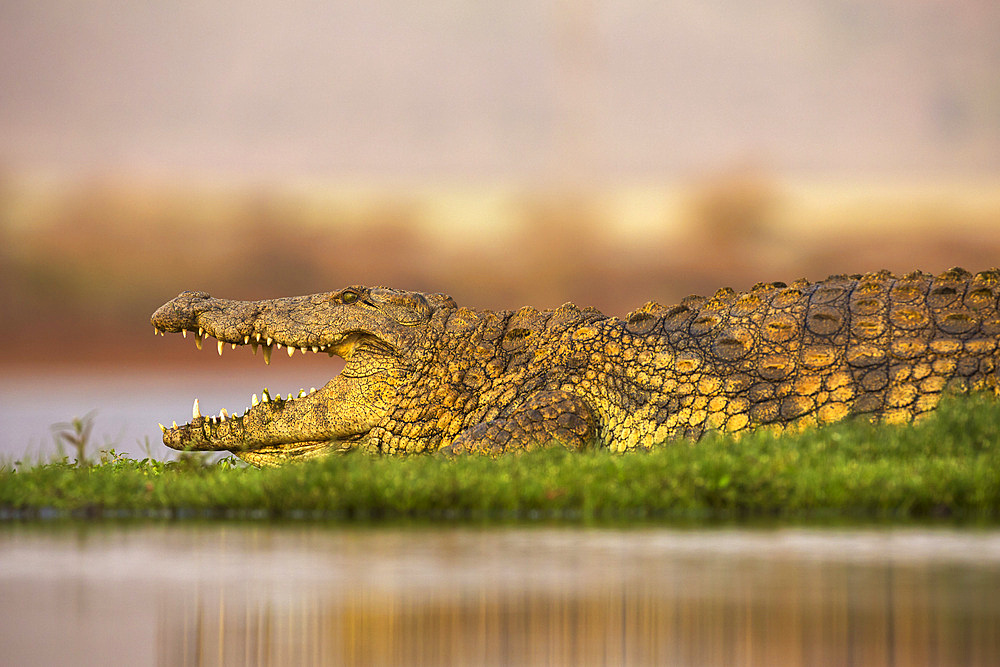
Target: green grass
{"x": 947, "y": 466}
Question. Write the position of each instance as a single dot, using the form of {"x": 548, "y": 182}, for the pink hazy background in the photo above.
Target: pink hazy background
{"x": 510, "y": 153}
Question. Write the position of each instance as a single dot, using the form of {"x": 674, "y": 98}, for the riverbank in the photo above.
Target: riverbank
{"x": 944, "y": 467}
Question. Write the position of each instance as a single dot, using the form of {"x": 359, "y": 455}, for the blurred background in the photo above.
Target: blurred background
{"x": 509, "y": 153}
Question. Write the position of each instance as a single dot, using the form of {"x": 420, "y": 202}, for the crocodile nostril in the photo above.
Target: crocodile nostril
{"x": 195, "y": 295}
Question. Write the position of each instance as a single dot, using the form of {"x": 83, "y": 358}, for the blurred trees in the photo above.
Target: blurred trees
{"x": 93, "y": 260}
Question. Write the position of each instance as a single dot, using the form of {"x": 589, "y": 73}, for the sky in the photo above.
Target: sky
{"x": 523, "y": 90}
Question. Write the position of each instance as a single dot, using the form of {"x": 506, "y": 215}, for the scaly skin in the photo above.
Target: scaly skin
{"x": 423, "y": 375}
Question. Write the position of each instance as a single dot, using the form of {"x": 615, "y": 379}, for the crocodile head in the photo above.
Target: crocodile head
{"x": 375, "y": 330}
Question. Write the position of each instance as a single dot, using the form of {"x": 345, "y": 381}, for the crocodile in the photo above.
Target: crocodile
{"x": 424, "y": 375}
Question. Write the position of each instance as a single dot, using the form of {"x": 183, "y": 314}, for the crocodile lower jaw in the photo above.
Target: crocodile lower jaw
{"x": 270, "y": 455}
{"x": 225, "y": 431}
{"x": 261, "y": 435}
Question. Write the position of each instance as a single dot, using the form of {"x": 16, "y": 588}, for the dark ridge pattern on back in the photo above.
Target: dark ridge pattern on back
{"x": 777, "y": 356}
{"x": 815, "y": 352}
{"x": 786, "y": 355}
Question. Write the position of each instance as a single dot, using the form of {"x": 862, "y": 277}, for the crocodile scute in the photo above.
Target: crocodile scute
{"x": 425, "y": 375}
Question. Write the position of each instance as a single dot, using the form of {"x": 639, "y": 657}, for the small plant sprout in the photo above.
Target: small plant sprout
{"x": 75, "y": 433}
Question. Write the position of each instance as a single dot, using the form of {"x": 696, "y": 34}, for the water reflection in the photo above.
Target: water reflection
{"x": 264, "y": 595}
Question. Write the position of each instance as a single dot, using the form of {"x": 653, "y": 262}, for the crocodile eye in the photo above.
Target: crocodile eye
{"x": 349, "y": 296}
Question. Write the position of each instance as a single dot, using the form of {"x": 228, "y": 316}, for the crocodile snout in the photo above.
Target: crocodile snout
{"x": 179, "y": 313}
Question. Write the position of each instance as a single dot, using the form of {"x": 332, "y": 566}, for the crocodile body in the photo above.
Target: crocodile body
{"x": 424, "y": 375}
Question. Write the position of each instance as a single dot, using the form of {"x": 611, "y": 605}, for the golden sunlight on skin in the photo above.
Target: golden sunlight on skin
{"x": 424, "y": 375}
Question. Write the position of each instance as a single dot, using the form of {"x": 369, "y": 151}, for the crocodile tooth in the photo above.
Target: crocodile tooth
{"x": 267, "y": 354}
{"x": 269, "y": 341}
{"x": 312, "y": 390}
{"x": 174, "y": 425}
{"x": 315, "y": 349}
{"x": 223, "y": 414}
{"x": 162, "y": 428}
{"x": 197, "y": 339}
{"x": 212, "y": 419}
{"x": 302, "y": 392}
{"x": 291, "y": 351}
{"x": 221, "y": 344}
{"x": 303, "y": 350}
{"x": 201, "y": 332}
{"x": 253, "y": 401}
{"x": 234, "y": 345}
{"x": 265, "y": 396}
{"x": 155, "y": 331}
{"x": 246, "y": 339}
{"x": 184, "y": 333}
{"x": 258, "y": 338}
{"x": 289, "y": 397}
{"x": 195, "y": 411}
{"x": 278, "y": 345}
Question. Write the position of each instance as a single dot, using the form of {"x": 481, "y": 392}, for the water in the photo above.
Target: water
{"x": 259, "y": 594}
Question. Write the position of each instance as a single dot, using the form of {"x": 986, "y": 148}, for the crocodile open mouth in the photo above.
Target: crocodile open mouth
{"x": 373, "y": 329}
{"x": 272, "y": 426}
